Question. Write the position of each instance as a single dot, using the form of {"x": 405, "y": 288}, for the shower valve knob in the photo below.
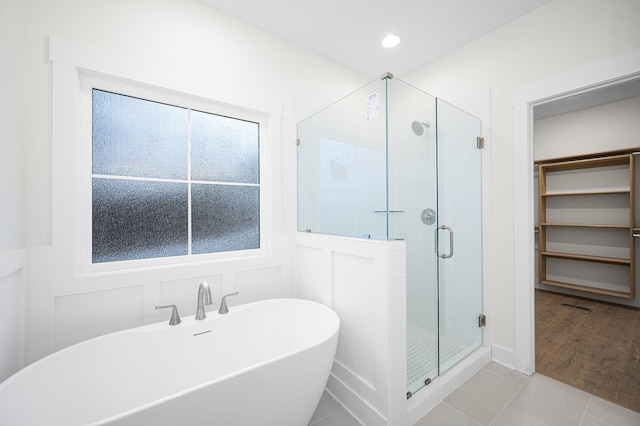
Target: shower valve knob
{"x": 428, "y": 216}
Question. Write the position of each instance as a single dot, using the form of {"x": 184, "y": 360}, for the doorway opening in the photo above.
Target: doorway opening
{"x": 585, "y": 292}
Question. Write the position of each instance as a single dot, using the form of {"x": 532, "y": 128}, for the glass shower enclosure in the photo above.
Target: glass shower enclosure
{"x": 391, "y": 162}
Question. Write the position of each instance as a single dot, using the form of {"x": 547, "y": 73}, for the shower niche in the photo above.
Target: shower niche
{"x": 390, "y": 162}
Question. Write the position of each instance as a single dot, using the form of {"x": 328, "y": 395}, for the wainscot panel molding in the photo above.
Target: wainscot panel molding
{"x": 364, "y": 282}
{"x": 12, "y": 300}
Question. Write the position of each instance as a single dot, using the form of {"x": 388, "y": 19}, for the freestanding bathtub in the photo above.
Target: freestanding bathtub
{"x": 264, "y": 363}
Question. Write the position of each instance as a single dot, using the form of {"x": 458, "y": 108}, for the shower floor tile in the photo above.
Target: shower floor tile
{"x": 422, "y": 354}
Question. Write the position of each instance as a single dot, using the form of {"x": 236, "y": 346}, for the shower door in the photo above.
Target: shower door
{"x": 413, "y": 205}
{"x": 459, "y": 235}
{"x": 435, "y": 207}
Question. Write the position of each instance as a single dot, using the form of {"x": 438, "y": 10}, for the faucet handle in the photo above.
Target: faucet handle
{"x": 223, "y": 304}
{"x": 175, "y": 317}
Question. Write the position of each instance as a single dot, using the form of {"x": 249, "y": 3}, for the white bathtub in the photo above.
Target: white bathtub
{"x": 264, "y": 363}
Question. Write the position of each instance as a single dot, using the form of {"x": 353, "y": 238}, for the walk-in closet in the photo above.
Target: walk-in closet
{"x": 586, "y": 154}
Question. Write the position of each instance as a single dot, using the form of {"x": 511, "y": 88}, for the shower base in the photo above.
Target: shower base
{"x": 422, "y": 354}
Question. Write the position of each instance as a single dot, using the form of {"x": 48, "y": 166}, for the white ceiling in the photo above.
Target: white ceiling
{"x": 349, "y": 32}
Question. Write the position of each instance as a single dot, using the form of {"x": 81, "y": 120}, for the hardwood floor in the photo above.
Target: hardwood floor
{"x": 591, "y": 345}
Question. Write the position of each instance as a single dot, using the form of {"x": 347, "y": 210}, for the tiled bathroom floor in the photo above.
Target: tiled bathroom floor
{"x": 497, "y": 396}
{"x": 331, "y": 413}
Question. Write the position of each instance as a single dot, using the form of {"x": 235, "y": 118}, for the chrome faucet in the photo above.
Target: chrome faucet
{"x": 175, "y": 317}
{"x": 204, "y": 298}
{"x": 223, "y": 303}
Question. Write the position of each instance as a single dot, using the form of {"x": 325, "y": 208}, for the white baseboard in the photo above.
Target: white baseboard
{"x": 360, "y": 409}
{"x": 503, "y": 356}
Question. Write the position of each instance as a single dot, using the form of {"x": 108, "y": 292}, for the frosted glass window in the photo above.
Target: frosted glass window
{"x": 138, "y": 220}
{"x": 225, "y": 218}
{"x": 136, "y": 137}
{"x": 224, "y": 149}
{"x": 151, "y": 199}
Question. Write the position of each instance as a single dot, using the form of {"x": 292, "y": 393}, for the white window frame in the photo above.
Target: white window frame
{"x": 76, "y": 70}
{"x": 90, "y": 82}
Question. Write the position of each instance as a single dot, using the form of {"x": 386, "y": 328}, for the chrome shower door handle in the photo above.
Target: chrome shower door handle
{"x": 447, "y": 256}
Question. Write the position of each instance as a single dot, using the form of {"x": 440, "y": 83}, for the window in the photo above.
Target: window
{"x": 168, "y": 180}
{"x": 209, "y": 208}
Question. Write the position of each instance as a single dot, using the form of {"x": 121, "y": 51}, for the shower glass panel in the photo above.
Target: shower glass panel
{"x": 342, "y": 167}
{"x": 391, "y": 162}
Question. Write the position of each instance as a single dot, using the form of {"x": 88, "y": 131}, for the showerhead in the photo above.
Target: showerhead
{"x": 418, "y": 127}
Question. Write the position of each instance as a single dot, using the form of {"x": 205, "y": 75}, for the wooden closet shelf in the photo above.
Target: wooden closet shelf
{"x": 606, "y": 292}
{"x": 586, "y": 225}
{"x": 587, "y": 193}
{"x": 588, "y": 156}
{"x": 587, "y": 258}
{"x": 617, "y": 160}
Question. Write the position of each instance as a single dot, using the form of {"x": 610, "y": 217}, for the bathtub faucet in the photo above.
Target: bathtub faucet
{"x": 204, "y": 298}
{"x": 175, "y": 317}
{"x": 223, "y": 303}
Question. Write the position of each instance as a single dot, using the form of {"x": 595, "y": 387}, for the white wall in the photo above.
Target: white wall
{"x": 175, "y": 34}
{"x": 12, "y": 276}
{"x": 559, "y": 36}
{"x": 11, "y": 124}
{"x": 179, "y": 36}
{"x": 607, "y": 127}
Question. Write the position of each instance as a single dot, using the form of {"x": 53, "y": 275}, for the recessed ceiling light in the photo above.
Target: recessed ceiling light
{"x": 390, "y": 41}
